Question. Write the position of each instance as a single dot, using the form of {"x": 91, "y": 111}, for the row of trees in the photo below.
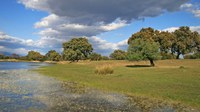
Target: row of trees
{"x": 52, "y": 55}
{"x": 151, "y": 44}
{"x": 161, "y": 45}
{"x": 12, "y": 56}
{"x": 147, "y": 44}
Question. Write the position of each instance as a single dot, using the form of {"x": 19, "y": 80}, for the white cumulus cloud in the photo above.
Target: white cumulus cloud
{"x": 105, "y": 47}
{"x": 192, "y": 28}
{"x": 69, "y": 18}
{"x": 89, "y": 18}
{"x": 193, "y": 8}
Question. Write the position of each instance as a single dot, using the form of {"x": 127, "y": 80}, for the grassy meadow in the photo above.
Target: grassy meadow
{"x": 169, "y": 80}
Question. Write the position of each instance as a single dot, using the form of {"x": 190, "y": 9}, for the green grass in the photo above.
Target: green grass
{"x": 170, "y": 80}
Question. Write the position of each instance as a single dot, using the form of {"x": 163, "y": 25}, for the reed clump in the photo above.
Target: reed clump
{"x": 104, "y": 70}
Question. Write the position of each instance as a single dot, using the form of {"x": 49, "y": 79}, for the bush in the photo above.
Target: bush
{"x": 165, "y": 56}
{"x": 95, "y": 57}
{"x": 189, "y": 57}
{"x": 118, "y": 55}
{"x": 105, "y": 58}
{"x": 197, "y": 55}
{"x": 104, "y": 69}
{"x": 181, "y": 67}
{"x": 192, "y": 56}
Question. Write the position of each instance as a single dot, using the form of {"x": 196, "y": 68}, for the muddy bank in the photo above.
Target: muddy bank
{"x": 22, "y": 90}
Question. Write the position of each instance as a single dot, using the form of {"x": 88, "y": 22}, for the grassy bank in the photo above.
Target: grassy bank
{"x": 171, "y": 80}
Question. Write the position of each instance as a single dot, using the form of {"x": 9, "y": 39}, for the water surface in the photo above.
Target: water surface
{"x": 20, "y": 65}
{"x": 22, "y": 90}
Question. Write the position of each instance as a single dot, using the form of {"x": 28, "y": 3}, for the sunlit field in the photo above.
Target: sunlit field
{"x": 169, "y": 80}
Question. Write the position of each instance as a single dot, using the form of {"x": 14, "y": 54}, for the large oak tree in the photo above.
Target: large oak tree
{"x": 186, "y": 41}
{"x": 52, "y": 55}
{"x": 142, "y": 46}
{"x": 34, "y": 55}
{"x": 76, "y": 49}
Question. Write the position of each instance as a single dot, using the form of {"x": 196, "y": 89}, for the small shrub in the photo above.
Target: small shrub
{"x": 104, "y": 69}
{"x": 192, "y": 56}
{"x": 189, "y": 57}
{"x": 181, "y": 67}
{"x": 165, "y": 56}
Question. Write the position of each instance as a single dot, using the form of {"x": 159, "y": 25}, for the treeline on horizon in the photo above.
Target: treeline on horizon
{"x": 147, "y": 44}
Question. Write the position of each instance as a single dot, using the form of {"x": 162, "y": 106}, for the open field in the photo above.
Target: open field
{"x": 170, "y": 80}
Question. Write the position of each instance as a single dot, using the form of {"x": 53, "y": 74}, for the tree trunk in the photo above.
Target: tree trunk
{"x": 152, "y": 63}
{"x": 178, "y": 55}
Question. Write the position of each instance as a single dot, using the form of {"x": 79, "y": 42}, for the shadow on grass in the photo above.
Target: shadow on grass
{"x": 138, "y": 66}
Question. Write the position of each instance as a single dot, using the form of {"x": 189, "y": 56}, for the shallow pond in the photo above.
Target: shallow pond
{"x": 24, "y": 90}
{"x": 20, "y": 65}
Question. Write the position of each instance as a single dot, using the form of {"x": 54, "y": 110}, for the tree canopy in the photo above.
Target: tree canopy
{"x": 36, "y": 56}
{"x": 52, "y": 55}
{"x": 2, "y": 56}
{"x": 165, "y": 39}
{"x": 185, "y": 41}
{"x": 142, "y": 46}
{"x": 118, "y": 55}
{"x": 95, "y": 57}
{"x": 76, "y": 49}
{"x": 15, "y": 56}
{"x": 180, "y": 42}
{"x": 140, "y": 49}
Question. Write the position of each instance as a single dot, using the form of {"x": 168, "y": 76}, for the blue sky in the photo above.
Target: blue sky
{"x": 43, "y": 25}
{"x": 167, "y": 20}
{"x": 18, "y": 21}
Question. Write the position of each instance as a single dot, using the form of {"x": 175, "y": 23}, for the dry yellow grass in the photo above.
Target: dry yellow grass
{"x": 104, "y": 69}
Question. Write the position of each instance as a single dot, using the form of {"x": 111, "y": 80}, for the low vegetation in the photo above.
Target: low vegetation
{"x": 95, "y": 57}
{"x": 118, "y": 55}
{"x": 104, "y": 69}
{"x": 169, "y": 80}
